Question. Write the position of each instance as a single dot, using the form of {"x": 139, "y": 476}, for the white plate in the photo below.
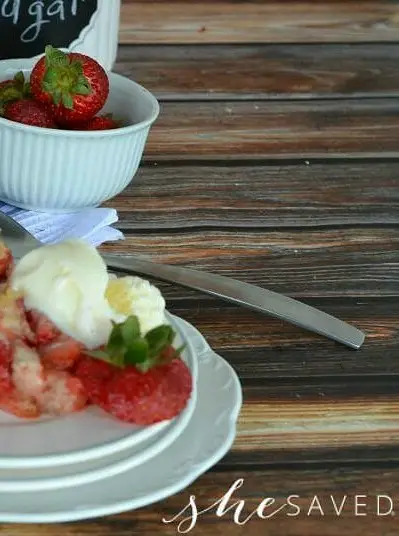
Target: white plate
{"x": 208, "y": 436}
{"x": 83, "y": 436}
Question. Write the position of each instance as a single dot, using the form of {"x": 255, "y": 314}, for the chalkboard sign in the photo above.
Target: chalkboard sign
{"x": 27, "y": 26}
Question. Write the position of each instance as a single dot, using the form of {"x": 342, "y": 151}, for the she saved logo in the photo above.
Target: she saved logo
{"x": 27, "y": 26}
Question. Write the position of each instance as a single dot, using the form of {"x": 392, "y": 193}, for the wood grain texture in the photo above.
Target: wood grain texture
{"x": 278, "y": 424}
{"x": 257, "y": 195}
{"x": 271, "y": 71}
{"x": 270, "y": 354}
{"x": 224, "y": 22}
{"x": 263, "y": 128}
{"x": 304, "y": 230}
{"x": 351, "y": 262}
{"x": 333, "y": 455}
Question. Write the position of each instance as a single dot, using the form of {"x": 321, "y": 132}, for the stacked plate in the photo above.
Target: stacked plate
{"x": 90, "y": 465}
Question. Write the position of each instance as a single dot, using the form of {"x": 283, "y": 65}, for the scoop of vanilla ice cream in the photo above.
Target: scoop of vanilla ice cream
{"x": 136, "y": 296}
{"x": 67, "y": 282}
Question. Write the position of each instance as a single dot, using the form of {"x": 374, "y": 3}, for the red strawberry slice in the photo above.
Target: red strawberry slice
{"x": 17, "y": 404}
{"x": 94, "y": 374}
{"x": 61, "y": 353}
{"x": 62, "y": 394}
{"x": 44, "y": 329}
{"x": 145, "y": 398}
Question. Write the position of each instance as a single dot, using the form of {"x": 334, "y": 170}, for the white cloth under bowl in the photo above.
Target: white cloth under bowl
{"x": 93, "y": 225}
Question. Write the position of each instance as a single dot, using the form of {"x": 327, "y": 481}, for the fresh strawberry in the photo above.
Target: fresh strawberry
{"x": 62, "y": 393}
{"x": 100, "y": 122}
{"x": 61, "y": 353}
{"x": 13, "y": 89}
{"x": 94, "y": 374}
{"x": 150, "y": 383}
{"x": 29, "y": 112}
{"x": 6, "y": 261}
{"x": 19, "y": 405}
{"x": 75, "y": 85}
{"x": 43, "y": 328}
{"x": 145, "y": 398}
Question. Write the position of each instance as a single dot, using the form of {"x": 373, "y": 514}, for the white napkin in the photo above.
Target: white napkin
{"x": 92, "y": 225}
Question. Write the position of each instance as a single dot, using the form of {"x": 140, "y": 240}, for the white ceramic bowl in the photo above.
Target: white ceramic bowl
{"x": 66, "y": 171}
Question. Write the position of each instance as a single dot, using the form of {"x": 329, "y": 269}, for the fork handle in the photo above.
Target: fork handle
{"x": 247, "y": 295}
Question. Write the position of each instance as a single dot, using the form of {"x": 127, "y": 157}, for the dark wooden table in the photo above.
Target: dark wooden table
{"x": 278, "y": 164}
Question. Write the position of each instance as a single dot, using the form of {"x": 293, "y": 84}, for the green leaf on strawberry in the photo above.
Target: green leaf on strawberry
{"x": 130, "y": 329}
{"x": 127, "y": 347}
{"x": 158, "y": 338}
{"x": 64, "y": 78}
{"x": 115, "y": 340}
{"x": 137, "y": 352}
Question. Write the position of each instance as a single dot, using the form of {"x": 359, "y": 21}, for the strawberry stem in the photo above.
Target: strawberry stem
{"x": 64, "y": 78}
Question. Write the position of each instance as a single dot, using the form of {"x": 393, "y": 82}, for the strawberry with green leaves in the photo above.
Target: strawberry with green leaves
{"x": 17, "y": 104}
{"x": 73, "y": 84}
{"x": 14, "y": 89}
{"x": 138, "y": 379}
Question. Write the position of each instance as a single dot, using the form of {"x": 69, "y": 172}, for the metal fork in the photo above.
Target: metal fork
{"x": 256, "y": 298}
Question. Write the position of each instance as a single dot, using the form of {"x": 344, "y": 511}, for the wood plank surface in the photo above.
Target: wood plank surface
{"x": 272, "y": 71}
{"x": 328, "y": 457}
{"x": 268, "y": 195}
{"x": 224, "y": 22}
{"x": 297, "y": 221}
{"x": 270, "y": 354}
{"x": 301, "y": 424}
{"x": 263, "y": 128}
{"x": 351, "y": 262}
